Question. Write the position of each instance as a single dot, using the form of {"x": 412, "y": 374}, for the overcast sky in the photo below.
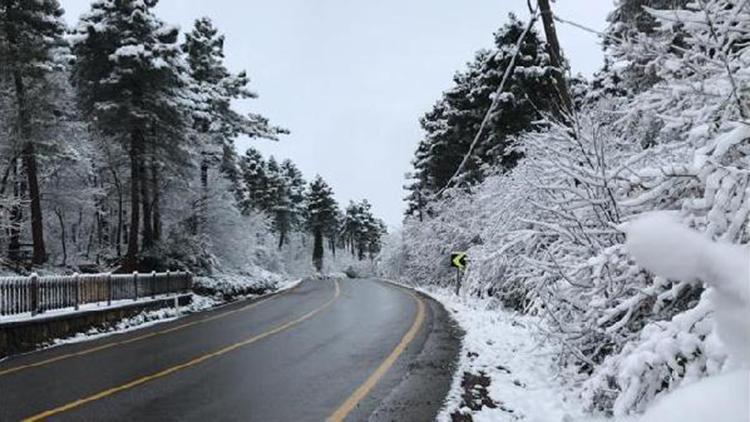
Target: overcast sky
{"x": 350, "y": 79}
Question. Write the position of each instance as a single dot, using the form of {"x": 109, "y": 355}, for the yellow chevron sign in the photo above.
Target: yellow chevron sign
{"x": 458, "y": 260}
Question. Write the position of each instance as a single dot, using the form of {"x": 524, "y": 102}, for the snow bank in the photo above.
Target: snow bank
{"x": 507, "y": 348}
{"x": 670, "y": 250}
{"x": 662, "y": 245}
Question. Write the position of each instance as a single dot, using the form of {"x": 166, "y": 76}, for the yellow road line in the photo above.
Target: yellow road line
{"x": 136, "y": 339}
{"x": 350, "y": 403}
{"x": 192, "y": 362}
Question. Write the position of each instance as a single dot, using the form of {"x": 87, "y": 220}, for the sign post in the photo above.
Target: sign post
{"x": 458, "y": 261}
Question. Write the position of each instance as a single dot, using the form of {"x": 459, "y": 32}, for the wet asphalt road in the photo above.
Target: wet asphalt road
{"x": 300, "y": 355}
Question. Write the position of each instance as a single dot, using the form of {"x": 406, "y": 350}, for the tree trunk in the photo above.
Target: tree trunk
{"x": 37, "y": 225}
{"x": 332, "y": 246}
{"x": 318, "y": 250}
{"x": 62, "y": 236}
{"x": 130, "y": 263}
{"x": 202, "y": 211}
{"x": 16, "y": 215}
{"x": 148, "y": 234}
{"x": 282, "y": 239}
{"x": 28, "y": 155}
{"x": 119, "y": 232}
{"x": 156, "y": 211}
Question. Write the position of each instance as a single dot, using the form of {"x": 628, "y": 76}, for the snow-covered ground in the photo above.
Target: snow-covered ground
{"x": 506, "y": 348}
{"x": 142, "y": 320}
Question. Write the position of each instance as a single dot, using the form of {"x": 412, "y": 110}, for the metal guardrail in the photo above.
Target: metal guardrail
{"x": 38, "y": 294}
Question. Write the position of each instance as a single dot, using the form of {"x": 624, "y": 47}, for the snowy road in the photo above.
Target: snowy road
{"x": 327, "y": 348}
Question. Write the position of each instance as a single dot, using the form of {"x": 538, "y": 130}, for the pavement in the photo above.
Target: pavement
{"x": 328, "y": 349}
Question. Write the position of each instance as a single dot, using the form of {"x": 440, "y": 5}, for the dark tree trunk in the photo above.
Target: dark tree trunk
{"x": 201, "y": 213}
{"x": 332, "y": 247}
{"x": 318, "y": 249}
{"x": 130, "y": 263}
{"x": 156, "y": 211}
{"x": 61, "y": 220}
{"x": 120, "y": 222}
{"x": 148, "y": 233}
{"x": 16, "y": 215}
{"x": 37, "y": 225}
{"x": 282, "y": 238}
{"x": 29, "y": 164}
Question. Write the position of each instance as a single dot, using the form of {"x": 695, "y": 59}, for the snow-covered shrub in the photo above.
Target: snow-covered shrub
{"x": 546, "y": 238}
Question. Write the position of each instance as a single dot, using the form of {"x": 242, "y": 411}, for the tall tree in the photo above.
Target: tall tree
{"x": 31, "y": 43}
{"x": 254, "y": 180}
{"x": 455, "y": 119}
{"x": 131, "y": 79}
{"x": 321, "y": 215}
{"x": 216, "y": 122}
{"x": 361, "y": 231}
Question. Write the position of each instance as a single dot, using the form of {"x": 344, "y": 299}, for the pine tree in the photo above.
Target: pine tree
{"x": 455, "y": 119}
{"x": 31, "y": 47}
{"x": 294, "y": 196}
{"x": 361, "y": 231}
{"x": 321, "y": 215}
{"x": 254, "y": 179}
{"x": 278, "y": 201}
{"x": 131, "y": 79}
{"x": 215, "y": 120}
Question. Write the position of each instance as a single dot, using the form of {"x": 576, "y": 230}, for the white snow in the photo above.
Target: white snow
{"x": 507, "y": 348}
{"x": 662, "y": 245}
{"x": 670, "y": 250}
{"x": 722, "y": 398}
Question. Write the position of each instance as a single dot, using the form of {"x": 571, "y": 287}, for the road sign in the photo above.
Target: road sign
{"x": 458, "y": 260}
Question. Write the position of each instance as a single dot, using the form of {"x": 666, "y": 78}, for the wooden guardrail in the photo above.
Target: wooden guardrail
{"x": 36, "y": 294}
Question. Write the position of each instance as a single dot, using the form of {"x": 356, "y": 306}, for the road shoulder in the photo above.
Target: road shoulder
{"x": 421, "y": 393}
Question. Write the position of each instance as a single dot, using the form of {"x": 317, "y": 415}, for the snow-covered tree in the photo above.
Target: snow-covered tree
{"x": 454, "y": 120}
{"x": 32, "y": 50}
{"x": 132, "y": 80}
{"x": 545, "y": 238}
{"x": 216, "y": 121}
{"x": 361, "y": 232}
{"x": 321, "y": 214}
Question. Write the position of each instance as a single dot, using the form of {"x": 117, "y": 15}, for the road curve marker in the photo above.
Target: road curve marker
{"x": 138, "y": 338}
{"x": 176, "y": 368}
{"x": 361, "y": 392}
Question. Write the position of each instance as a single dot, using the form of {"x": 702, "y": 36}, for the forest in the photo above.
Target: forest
{"x": 535, "y": 173}
{"x": 117, "y": 153}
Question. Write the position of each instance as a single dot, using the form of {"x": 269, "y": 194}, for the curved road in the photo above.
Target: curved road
{"x": 327, "y": 349}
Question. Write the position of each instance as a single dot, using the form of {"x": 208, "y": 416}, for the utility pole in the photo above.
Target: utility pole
{"x": 556, "y": 58}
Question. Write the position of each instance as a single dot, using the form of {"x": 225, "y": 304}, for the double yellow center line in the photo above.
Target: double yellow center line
{"x": 192, "y": 362}
{"x": 136, "y": 339}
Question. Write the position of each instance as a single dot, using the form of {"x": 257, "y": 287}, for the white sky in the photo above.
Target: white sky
{"x": 350, "y": 78}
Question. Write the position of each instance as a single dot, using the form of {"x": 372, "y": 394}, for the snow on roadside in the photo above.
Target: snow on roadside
{"x": 141, "y": 320}
{"x": 249, "y": 283}
{"x": 147, "y": 318}
{"x": 505, "y": 347}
